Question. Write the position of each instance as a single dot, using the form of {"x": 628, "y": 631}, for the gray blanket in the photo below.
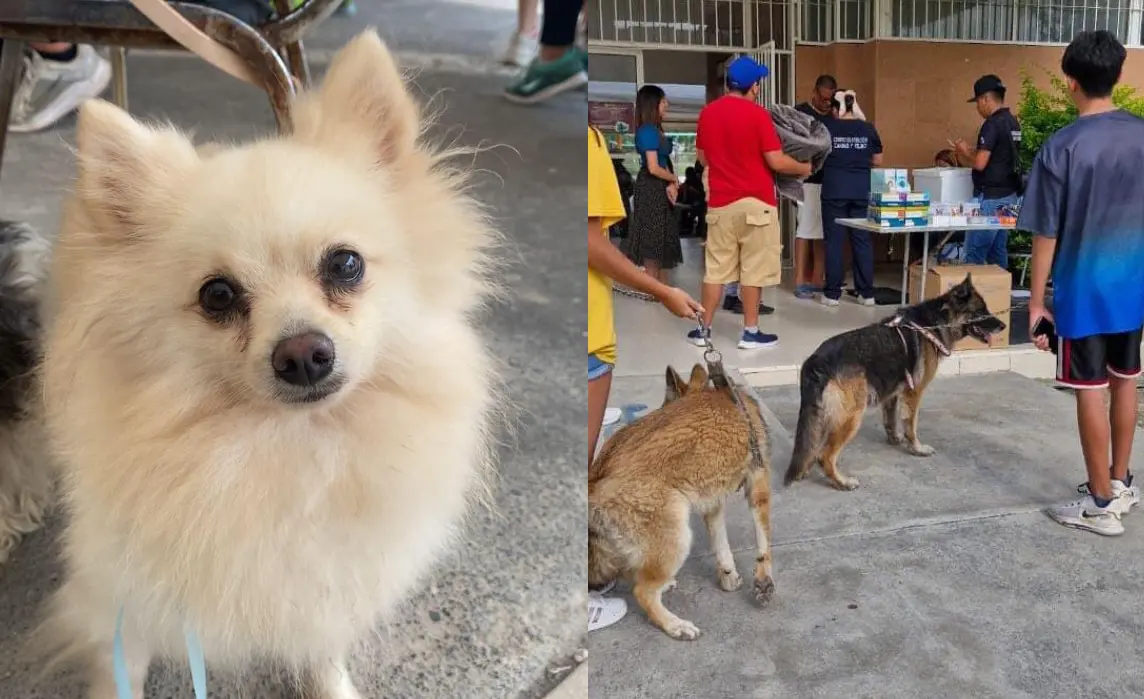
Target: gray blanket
{"x": 805, "y": 139}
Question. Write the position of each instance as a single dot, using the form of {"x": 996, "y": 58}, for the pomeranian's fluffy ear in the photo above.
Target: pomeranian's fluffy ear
{"x": 362, "y": 97}
{"x": 125, "y": 168}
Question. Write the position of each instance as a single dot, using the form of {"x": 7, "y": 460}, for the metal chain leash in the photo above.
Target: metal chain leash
{"x": 713, "y": 358}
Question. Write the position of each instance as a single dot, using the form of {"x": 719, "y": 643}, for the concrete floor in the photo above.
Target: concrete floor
{"x": 498, "y": 614}
{"x": 650, "y": 338}
{"x": 937, "y": 578}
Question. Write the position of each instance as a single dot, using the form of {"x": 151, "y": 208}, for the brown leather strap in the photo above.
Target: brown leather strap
{"x": 194, "y": 40}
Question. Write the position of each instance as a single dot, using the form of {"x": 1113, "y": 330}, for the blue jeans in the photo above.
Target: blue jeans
{"x": 989, "y": 247}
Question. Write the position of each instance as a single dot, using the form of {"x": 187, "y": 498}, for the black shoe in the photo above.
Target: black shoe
{"x": 735, "y": 305}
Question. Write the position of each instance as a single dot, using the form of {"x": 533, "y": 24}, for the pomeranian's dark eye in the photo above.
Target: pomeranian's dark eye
{"x": 217, "y": 296}
{"x": 343, "y": 268}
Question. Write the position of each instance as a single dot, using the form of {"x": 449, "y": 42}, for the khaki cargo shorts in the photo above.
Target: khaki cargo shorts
{"x": 744, "y": 244}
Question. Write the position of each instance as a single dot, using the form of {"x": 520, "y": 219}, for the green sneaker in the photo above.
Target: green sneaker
{"x": 544, "y": 79}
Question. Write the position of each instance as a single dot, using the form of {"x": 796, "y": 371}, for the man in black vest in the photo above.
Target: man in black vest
{"x": 996, "y": 172}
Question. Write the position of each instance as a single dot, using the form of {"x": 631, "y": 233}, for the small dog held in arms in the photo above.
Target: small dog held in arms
{"x": 888, "y": 363}
{"x": 252, "y": 383}
{"x": 690, "y": 454}
{"x": 25, "y": 475}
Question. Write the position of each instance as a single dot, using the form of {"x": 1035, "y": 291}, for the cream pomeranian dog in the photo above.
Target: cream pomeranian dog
{"x": 263, "y": 382}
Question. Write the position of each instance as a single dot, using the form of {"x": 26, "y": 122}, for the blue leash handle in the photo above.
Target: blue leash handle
{"x": 194, "y": 657}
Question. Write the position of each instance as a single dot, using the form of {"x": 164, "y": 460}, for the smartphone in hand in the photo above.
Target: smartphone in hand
{"x": 1048, "y": 329}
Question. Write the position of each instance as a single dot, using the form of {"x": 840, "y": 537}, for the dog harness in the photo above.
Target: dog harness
{"x": 896, "y": 324}
{"x": 194, "y": 658}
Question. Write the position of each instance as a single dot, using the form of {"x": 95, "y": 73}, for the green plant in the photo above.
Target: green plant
{"x": 1043, "y": 112}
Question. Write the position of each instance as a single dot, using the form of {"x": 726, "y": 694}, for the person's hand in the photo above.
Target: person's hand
{"x": 960, "y": 147}
{"x": 680, "y": 303}
{"x": 672, "y": 192}
{"x": 1036, "y": 312}
{"x": 807, "y": 170}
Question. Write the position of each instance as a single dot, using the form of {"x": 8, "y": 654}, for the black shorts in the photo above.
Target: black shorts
{"x": 1087, "y": 362}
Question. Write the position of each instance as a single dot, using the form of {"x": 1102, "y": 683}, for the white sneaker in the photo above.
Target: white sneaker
{"x": 520, "y": 51}
{"x": 50, "y": 90}
{"x": 1124, "y": 497}
{"x": 827, "y": 301}
{"x": 604, "y": 611}
{"x": 1084, "y": 514}
{"x": 866, "y": 301}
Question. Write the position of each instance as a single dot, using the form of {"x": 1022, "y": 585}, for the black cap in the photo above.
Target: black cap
{"x": 986, "y": 84}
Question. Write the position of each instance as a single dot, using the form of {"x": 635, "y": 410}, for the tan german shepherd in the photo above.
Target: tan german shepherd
{"x": 689, "y": 454}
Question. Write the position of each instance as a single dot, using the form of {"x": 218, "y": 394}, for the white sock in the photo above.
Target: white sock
{"x": 752, "y": 329}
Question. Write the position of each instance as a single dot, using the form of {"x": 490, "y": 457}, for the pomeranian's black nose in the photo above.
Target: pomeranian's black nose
{"x": 304, "y": 360}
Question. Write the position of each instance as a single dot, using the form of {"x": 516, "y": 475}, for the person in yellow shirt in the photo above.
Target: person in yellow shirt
{"x": 607, "y": 263}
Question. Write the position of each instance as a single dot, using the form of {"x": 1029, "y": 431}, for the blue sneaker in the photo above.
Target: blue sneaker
{"x": 805, "y": 291}
{"x": 699, "y": 337}
{"x": 757, "y": 340}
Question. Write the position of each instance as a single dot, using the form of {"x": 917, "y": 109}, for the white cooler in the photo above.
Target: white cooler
{"x": 945, "y": 184}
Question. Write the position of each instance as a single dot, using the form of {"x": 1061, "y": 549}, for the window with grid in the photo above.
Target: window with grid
{"x": 824, "y": 21}
{"x": 1015, "y": 21}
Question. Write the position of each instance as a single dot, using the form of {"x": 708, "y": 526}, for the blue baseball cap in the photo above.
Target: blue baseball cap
{"x": 743, "y": 72}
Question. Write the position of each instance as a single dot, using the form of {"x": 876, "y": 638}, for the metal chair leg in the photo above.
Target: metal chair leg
{"x": 119, "y": 76}
{"x": 11, "y": 67}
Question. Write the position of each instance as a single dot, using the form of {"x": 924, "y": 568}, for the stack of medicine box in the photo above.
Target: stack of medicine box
{"x": 892, "y": 204}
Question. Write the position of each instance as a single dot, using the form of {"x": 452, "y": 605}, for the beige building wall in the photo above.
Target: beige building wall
{"x": 916, "y": 92}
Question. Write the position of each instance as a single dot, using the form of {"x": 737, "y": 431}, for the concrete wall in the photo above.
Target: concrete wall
{"x": 916, "y": 92}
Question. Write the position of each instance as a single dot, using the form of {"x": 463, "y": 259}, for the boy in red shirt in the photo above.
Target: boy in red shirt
{"x": 737, "y": 143}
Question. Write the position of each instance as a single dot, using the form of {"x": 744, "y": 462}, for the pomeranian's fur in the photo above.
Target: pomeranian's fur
{"x": 263, "y": 381}
{"x": 25, "y": 476}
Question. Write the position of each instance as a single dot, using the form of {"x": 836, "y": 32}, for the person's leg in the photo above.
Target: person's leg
{"x": 998, "y": 251}
{"x": 1082, "y": 366}
{"x": 818, "y": 269}
{"x": 802, "y": 263}
{"x": 1124, "y": 370}
{"x": 760, "y": 245}
{"x": 977, "y": 246}
{"x": 750, "y": 296}
{"x": 602, "y": 611}
{"x": 522, "y": 44}
{"x": 599, "y": 388}
{"x": 58, "y": 78}
{"x": 809, "y": 238}
{"x": 862, "y": 256}
{"x": 59, "y": 50}
{"x": 835, "y": 236}
{"x": 720, "y": 266}
{"x": 560, "y": 65}
{"x": 527, "y": 17}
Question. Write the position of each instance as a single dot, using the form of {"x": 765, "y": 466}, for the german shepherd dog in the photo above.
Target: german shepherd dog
{"x": 689, "y": 454}
{"x": 886, "y": 363}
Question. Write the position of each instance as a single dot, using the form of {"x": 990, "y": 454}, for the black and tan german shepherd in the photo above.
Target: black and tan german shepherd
{"x": 881, "y": 364}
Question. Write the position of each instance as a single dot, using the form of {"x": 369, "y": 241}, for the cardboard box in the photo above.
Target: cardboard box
{"x": 889, "y": 181}
{"x": 900, "y": 198}
{"x": 912, "y": 222}
{"x": 992, "y": 282}
{"x": 896, "y": 213}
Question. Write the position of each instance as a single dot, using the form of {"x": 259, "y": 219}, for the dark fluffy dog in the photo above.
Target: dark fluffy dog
{"x": 886, "y": 363}
{"x": 25, "y": 480}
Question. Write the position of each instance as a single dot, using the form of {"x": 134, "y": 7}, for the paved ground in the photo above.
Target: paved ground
{"x": 500, "y": 613}
{"x": 939, "y": 577}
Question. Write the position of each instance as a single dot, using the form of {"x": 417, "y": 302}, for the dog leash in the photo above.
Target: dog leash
{"x": 194, "y": 40}
{"x": 714, "y": 360}
{"x": 194, "y": 657}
